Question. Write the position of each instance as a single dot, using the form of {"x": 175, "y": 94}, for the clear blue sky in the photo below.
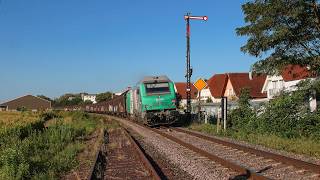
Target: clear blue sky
{"x": 53, "y": 47}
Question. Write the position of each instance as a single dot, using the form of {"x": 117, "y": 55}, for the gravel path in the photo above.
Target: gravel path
{"x": 194, "y": 165}
{"x": 268, "y": 167}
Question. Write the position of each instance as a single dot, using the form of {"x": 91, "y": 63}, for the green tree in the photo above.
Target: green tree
{"x": 103, "y": 96}
{"x": 86, "y": 102}
{"x": 282, "y": 32}
{"x": 68, "y": 99}
{"x": 209, "y": 100}
{"x": 243, "y": 116}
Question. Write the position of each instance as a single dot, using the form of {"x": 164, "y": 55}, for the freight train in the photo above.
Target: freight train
{"x": 152, "y": 102}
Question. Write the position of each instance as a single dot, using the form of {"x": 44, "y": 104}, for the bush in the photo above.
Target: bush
{"x": 286, "y": 116}
{"x": 42, "y": 153}
{"x": 22, "y": 109}
{"x": 283, "y": 115}
{"x": 242, "y": 117}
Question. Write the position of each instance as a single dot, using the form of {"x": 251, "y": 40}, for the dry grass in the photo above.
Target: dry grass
{"x": 10, "y": 119}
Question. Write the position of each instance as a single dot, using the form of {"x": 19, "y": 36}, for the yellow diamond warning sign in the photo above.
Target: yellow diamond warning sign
{"x": 200, "y": 84}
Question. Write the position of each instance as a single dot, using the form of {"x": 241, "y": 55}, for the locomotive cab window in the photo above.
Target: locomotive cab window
{"x": 157, "y": 88}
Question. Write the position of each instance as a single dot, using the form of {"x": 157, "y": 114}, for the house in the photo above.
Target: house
{"x": 28, "y": 101}
{"x": 3, "y": 108}
{"x": 238, "y": 81}
{"x": 215, "y": 88}
{"x": 287, "y": 80}
{"x": 180, "y": 88}
{"x": 230, "y": 84}
{"x": 89, "y": 97}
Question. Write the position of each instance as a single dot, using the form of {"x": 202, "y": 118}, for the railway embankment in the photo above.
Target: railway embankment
{"x": 301, "y": 148}
{"x": 44, "y": 145}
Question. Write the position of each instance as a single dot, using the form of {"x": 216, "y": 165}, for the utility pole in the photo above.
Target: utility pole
{"x": 189, "y": 69}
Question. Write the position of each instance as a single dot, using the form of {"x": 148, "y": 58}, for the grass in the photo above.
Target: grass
{"x": 28, "y": 150}
{"x": 305, "y": 146}
{"x": 10, "y": 119}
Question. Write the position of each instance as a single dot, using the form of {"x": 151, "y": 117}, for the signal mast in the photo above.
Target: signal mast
{"x": 188, "y": 75}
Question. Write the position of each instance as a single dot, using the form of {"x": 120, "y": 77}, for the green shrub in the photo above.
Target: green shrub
{"x": 242, "y": 117}
{"x": 286, "y": 116}
{"x": 31, "y": 152}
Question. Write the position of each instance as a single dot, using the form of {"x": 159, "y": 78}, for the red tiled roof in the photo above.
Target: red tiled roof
{"x": 181, "y": 90}
{"x": 295, "y": 72}
{"x": 241, "y": 80}
{"x": 217, "y": 85}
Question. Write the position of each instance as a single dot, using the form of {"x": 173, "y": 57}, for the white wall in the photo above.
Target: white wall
{"x": 206, "y": 94}
{"x": 275, "y": 84}
{"x": 91, "y": 98}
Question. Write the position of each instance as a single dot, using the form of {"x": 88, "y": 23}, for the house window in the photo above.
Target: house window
{"x": 274, "y": 84}
{"x": 280, "y": 84}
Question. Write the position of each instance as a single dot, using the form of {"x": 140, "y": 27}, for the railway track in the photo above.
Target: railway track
{"x": 268, "y": 164}
{"x": 244, "y": 172}
{"x": 124, "y": 159}
{"x": 283, "y": 159}
{"x": 250, "y": 163}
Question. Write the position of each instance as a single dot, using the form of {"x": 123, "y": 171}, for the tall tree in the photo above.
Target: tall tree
{"x": 68, "y": 100}
{"x": 103, "y": 96}
{"x": 282, "y": 32}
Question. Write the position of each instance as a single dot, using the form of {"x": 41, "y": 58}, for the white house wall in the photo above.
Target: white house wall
{"x": 275, "y": 84}
{"x": 206, "y": 94}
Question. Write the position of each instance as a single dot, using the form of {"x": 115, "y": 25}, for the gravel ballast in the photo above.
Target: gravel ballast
{"x": 193, "y": 164}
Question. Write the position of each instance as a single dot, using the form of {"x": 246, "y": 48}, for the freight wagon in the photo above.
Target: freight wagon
{"x": 152, "y": 102}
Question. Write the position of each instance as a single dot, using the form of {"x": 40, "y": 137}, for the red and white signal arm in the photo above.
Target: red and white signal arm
{"x": 204, "y": 18}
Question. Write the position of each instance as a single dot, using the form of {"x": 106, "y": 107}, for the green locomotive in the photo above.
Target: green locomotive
{"x": 153, "y": 101}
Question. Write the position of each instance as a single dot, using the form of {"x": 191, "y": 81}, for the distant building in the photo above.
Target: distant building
{"x": 287, "y": 80}
{"x": 28, "y": 102}
{"x": 3, "y": 108}
{"x": 230, "y": 84}
{"x": 238, "y": 81}
{"x": 71, "y": 98}
{"x": 180, "y": 88}
{"x": 89, "y": 97}
{"x": 216, "y": 88}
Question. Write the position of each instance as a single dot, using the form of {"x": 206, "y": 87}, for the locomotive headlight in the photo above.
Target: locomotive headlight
{"x": 173, "y": 101}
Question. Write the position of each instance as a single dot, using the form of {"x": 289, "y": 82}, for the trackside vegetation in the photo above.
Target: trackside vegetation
{"x": 42, "y": 145}
{"x": 284, "y": 123}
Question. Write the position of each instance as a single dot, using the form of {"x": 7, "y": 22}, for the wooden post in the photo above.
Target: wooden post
{"x": 199, "y": 106}
{"x": 218, "y": 120}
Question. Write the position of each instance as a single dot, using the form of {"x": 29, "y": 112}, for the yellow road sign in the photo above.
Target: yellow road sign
{"x": 200, "y": 84}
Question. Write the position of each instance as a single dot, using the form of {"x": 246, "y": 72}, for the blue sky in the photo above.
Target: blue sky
{"x": 52, "y": 47}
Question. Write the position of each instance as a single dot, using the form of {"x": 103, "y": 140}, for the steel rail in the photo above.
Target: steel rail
{"x": 96, "y": 171}
{"x": 244, "y": 171}
{"x": 286, "y": 160}
{"x": 142, "y": 156}
{"x": 249, "y": 174}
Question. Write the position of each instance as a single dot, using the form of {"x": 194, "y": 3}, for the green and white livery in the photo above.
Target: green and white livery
{"x": 153, "y": 101}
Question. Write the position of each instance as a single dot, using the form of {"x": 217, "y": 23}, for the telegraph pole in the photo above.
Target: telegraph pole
{"x": 189, "y": 69}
